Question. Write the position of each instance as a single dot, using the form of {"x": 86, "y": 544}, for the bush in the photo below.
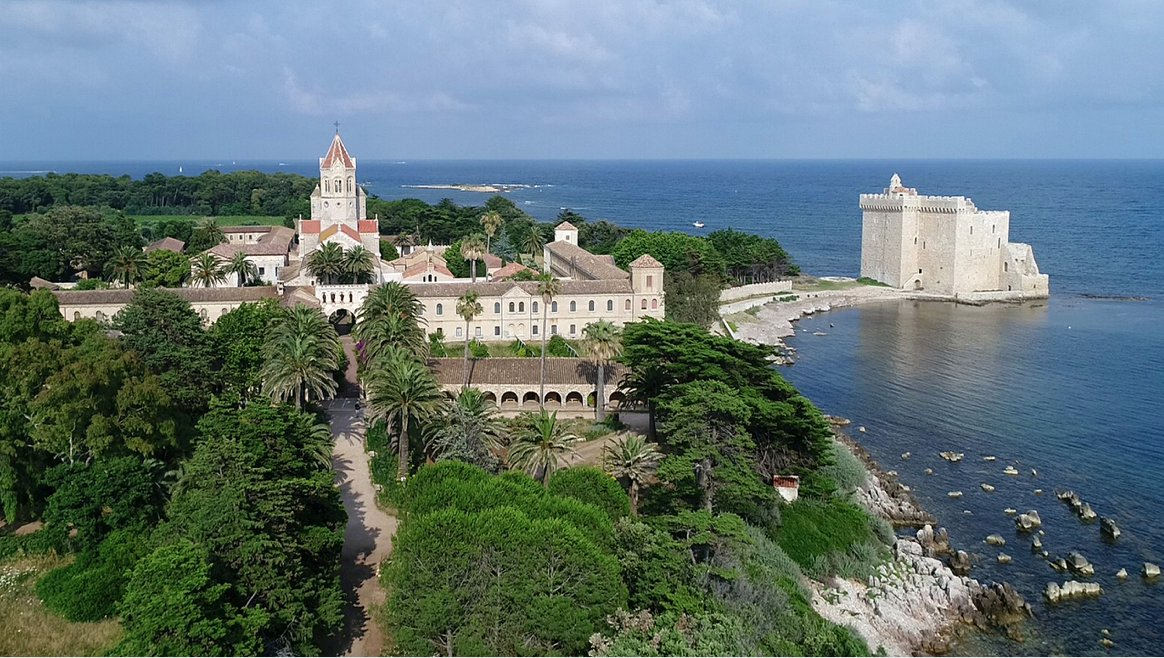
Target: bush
{"x": 830, "y": 537}
{"x": 591, "y": 485}
{"x": 557, "y": 346}
{"x": 90, "y": 588}
{"x": 845, "y": 471}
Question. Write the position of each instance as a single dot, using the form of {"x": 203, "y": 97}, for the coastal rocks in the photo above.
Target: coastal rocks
{"x": 952, "y": 457}
{"x": 861, "y": 428}
{"x": 1122, "y": 574}
{"x": 1086, "y": 513}
{"x": 837, "y": 421}
{"x": 1028, "y": 521}
{"x": 1150, "y": 570}
{"x": 1036, "y": 545}
{"x": 883, "y": 495}
{"x": 906, "y": 455}
{"x": 1082, "y": 509}
{"x": 960, "y": 563}
{"x": 1003, "y": 558}
{"x": 989, "y": 458}
{"x": 954, "y": 494}
{"x": 987, "y": 487}
{"x": 1010, "y": 511}
{"x": 1010, "y": 470}
{"x": 1072, "y": 589}
{"x": 1000, "y": 605}
{"x": 929, "y": 471}
{"x": 1079, "y": 564}
{"x": 1109, "y": 528}
{"x": 995, "y": 540}
{"x": 933, "y": 543}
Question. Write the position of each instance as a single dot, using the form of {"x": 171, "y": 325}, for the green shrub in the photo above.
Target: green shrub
{"x": 557, "y": 346}
{"x": 591, "y": 485}
{"x": 827, "y": 537}
{"x": 90, "y": 588}
{"x": 871, "y": 282}
{"x": 844, "y": 470}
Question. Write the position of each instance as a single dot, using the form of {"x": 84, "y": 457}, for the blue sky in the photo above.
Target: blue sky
{"x": 581, "y": 79}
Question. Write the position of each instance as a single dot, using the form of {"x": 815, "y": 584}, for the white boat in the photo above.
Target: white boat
{"x": 697, "y": 224}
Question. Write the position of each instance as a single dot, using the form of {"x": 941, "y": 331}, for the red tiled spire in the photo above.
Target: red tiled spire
{"x": 337, "y": 152}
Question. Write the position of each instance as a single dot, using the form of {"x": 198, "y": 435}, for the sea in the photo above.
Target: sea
{"x": 1068, "y": 390}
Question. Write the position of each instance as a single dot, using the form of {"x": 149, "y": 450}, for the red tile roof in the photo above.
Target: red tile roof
{"x": 369, "y": 226}
{"x": 309, "y": 226}
{"x": 166, "y": 244}
{"x": 337, "y": 152}
{"x": 646, "y": 260}
{"x": 508, "y": 271}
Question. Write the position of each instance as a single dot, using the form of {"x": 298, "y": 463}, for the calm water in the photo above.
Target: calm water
{"x": 1071, "y": 387}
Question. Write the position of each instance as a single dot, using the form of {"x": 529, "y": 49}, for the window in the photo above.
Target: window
{"x": 627, "y": 305}
{"x": 1005, "y": 267}
{"x": 643, "y": 304}
{"x": 1000, "y": 243}
{"x": 573, "y": 329}
{"x": 535, "y": 330}
{"x": 650, "y": 282}
{"x": 553, "y": 307}
{"x": 441, "y": 311}
{"x": 971, "y": 230}
{"x": 477, "y": 332}
{"x": 496, "y": 307}
{"x": 339, "y": 186}
{"x": 262, "y": 271}
{"x": 591, "y": 305}
{"x": 915, "y": 239}
{"x": 553, "y": 330}
{"x": 573, "y": 306}
{"x": 511, "y": 307}
{"x": 654, "y": 304}
{"x": 458, "y": 332}
{"x": 351, "y": 186}
{"x": 534, "y": 307}
{"x": 326, "y": 186}
{"x": 610, "y": 304}
{"x": 76, "y": 315}
{"x": 496, "y": 330}
{"x": 521, "y": 307}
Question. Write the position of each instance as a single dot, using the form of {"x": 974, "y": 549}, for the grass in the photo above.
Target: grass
{"x": 821, "y": 285}
{"x": 30, "y": 629}
{"x": 864, "y": 280}
{"x": 223, "y": 220}
{"x": 827, "y": 537}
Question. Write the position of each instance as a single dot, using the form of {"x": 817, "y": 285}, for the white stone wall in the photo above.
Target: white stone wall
{"x": 208, "y": 311}
{"x": 753, "y": 290}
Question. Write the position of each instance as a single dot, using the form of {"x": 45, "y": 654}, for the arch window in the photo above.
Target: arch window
{"x": 591, "y": 305}
{"x": 573, "y": 307}
{"x": 76, "y": 315}
{"x": 339, "y": 186}
{"x": 203, "y": 314}
{"x": 521, "y": 307}
{"x": 326, "y": 185}
{"x": 441, "y": 311}
{"x": 610, "y": 304}
{"x": 643, "y": 304}
{"x": 496, "y": 307}
{"x": 534, "y": 307}
{"x": 654, "y": 304}
{"x": 511, "y": 307}
{"x": 351, "y": 185}
{"x": 553, "y": 307}
{"x": 627, "y": 305}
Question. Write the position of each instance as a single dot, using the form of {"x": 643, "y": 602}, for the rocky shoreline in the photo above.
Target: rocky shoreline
{"x": 917, "y": 603}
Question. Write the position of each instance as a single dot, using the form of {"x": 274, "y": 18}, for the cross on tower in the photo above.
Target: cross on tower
{"x": 336, "y": 124}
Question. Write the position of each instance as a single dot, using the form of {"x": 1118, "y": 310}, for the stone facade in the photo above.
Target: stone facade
{"x": 513, "y": 384}
{"x": 209, "y": 303}
{"x": 944, "y": 245}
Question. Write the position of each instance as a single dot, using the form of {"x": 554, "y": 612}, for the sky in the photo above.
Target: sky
{"x": 637, "y": 79}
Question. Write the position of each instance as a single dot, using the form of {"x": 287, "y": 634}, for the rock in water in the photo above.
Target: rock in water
{"x": 1001, "y": 604}
{"x": 861, "y": 428}
{"x": 989, "y": 458}
{"x": 960, "y": 563}
{"x": 955, "y": 494}
{"x": 1028, "y": 521}
{"x": 1010, "y": 470}
{"x": 1122, "y": 574}
{"x": 1080, "y": 564}
{"x": 1151, "y": 570}
{"x": 1036, "y": 544}
{"x": 987, "y": 487}
{"x": 951, "y": 456}
{"x": 929, "y": 471}
{"x": 996, "y": 540}
{"x": 1072, "y": 589}
{"x": 1003, "y": 558}
{"x": 1086, "y": 513}
{"x": 1109, "y": 528}
{"x": 1010, "y": 511}
{"x": 905, "y": 455}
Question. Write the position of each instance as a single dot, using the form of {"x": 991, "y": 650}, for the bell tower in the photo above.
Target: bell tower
{"x": 338, "y": 199}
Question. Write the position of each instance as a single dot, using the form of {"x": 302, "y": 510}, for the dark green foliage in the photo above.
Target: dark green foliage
{"x": 657, "y": 570}
{"x": 238, "y": 339}
{"x": 63, "y": 241}
{"x": 693, "y": 298}
{"x": 90, "y": 501}
{"x": 678, "y": 252}
{"x": 90, "y": 588}
{"x": 166, "y": 269}
{"x": 830, "y": 536}
{"x": 593, "y": 486}
{"x": 457, "y": 263}
{"x": 750, "y": 258}
{"x": 168, "y": 336}
{"x": 174, "y": 606}
{"x": 497, "y": 582}
{"x": 557, "y": 346}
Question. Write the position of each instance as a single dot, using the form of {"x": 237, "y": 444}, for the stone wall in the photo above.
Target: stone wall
{"x": 753, "y": 290}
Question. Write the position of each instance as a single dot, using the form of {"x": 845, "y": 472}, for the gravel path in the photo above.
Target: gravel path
{"x": 368, "y": 536}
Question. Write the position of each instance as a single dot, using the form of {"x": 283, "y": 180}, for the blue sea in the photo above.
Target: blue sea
{"x": 1072, "y": 387}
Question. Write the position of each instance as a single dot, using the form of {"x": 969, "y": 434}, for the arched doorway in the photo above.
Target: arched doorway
{"x": 342, "y": 320}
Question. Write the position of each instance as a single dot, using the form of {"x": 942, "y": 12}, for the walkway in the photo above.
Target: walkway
{"x": 368, "y": 536}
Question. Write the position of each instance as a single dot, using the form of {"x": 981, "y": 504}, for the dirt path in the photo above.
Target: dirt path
{"x": 368, "y": 536}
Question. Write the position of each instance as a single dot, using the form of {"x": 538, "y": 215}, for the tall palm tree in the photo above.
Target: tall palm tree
{"x": 359, "y": 264}
{"x": 206, "y": 270}
{"x": 126, "y": 265}
{"x": 209, "y": 232}
{"x": 491, "y": 221}
{"x": 326, "y": 263}
{"x": 644, "y": 387}
{"x": 603, "y": 344}
{"x": 242, "y": 267}
{"x": 632, "y": 460}
{"x": 539, "y": 443}
{"x": 391, "y": 315}
{"x": 301, "y": 353}
{"x": 401, "y": 389}
{"x": 533, "y": 242}
{"x": 392, "y": 298}
{"x": 548, "y": 288}
{"x": 468, "y": 308}
{"x": 473, "y": 248}
{"x": 471, "y": 431}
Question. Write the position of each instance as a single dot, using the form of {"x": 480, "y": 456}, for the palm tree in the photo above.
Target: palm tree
{"x": 468, "y": 308}
{"x": 327, "y": 262}
{"x": 548, "y": 288}
{"x": 241, "y": 266}
{"x": 209, "y": 232}
{"x": 391, "y": 315}
{"x": 402, "y": 389}
{"x": 359, "y": 264}
{"x": 603, "y": 345}
{"x": 538, "y": 444}
{"x": 473, "y": 248}
{"x": 533, "y": 242}
{"x": 492, "y": 221}
{"x": 644, "y": 387}
{"x": 301, "y": 353}
{"x": 471, "y": 432}
{"x": 206, "y": 270}
{"x": 632, "y": 461}
{"x": 126, "y": 265}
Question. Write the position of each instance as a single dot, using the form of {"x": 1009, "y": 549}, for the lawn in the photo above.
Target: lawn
{"x": 31, "y": 630}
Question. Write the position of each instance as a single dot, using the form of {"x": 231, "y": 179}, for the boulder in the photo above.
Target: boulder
{"x": 925, "y": 537}
{"x": 1000, "y": 604}
{"x": 954, "y": 494}
{"x": 989, "y": 458}
{"x": 996, "y": 540}
{"x": 951, "y": 456}
{"x": 1150, "y": 570}
{"x": 987, "y": 487}
{"x": 1028, "y": 521}
{"x": 905, "y": 455}
{"x": 861, "y": 428}
{"x": 1003, "y": 558}
{"x": 1038, "y": 492}
{"x": 1086, "y": 513}
{"x": 929, "y": 471}
{"x": 960, "y": 563}
{"x": 1010, "y": 470}
{"x": 1079, "y": 564}
{"x": 1036, "y": 544}
{"x": 1122, "y": 574}
{"x": 1109, "y": 528}
{"x": 1010, "y": 511}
